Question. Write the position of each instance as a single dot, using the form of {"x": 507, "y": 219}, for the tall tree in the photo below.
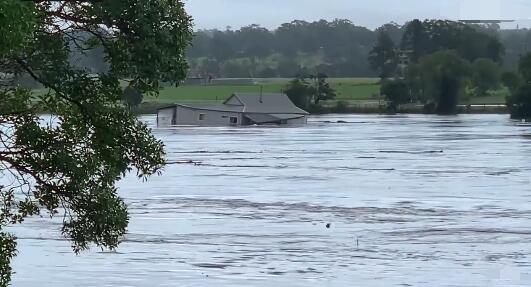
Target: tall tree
{"x": 442, "y": 79}
{"x": 340, "y": 48}
{"x": 416, "y": 40}
{"x": 69, "y": 168}
{"x": 469, "y": 41}
{"x": 516, "y": 42}
{"x": 300, "y": 91}
{"x": 524, "y": 66}
{"x": 512, "y": 81}
{"x": 223, "y": 45}
{"x": 324, "y": 92}
{"x": 309, "y": 90}
{"x": 519, "y": 102}
{"x": 255, "y": 42}
{"x": 383, "y": 56}
{"x": 395, "y": 31}
{"x": 338, "y": 45}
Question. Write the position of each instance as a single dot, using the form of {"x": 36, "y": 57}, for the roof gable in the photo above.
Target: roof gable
{"x": 233, "y": 101}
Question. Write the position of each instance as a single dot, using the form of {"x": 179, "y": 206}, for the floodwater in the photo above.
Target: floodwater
{"x": 410, "y": 201}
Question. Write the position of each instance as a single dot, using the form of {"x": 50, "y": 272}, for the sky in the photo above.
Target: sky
{"x": 221, "y": 14}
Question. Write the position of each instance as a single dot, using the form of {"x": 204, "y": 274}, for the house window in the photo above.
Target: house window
{"x": 202, "y": 117}
{"x": 233, "y": 120}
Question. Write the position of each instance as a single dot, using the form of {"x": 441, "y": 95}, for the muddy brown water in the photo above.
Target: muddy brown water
{"x": 410, "y": 201}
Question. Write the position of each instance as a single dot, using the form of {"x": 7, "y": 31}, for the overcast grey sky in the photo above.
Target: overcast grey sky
{"x": 370, "y": 13}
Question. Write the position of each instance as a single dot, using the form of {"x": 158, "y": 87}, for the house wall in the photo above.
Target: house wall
{"x": 189, "y": 116}
{"x": 180, "y": 115}
{"x": 165, "y": 117}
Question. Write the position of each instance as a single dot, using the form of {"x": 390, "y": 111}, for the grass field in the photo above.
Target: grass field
{"x": 348, "y": 89}
{"x": 356, "y": 92}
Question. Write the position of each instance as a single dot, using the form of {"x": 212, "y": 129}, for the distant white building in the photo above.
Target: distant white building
{"x": 238, "y": 110}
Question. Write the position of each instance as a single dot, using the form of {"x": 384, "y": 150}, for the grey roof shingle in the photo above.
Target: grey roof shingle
{"x": 268, "y": 103}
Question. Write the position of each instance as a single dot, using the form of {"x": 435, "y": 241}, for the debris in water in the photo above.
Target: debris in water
{"x": 185, "y": 162}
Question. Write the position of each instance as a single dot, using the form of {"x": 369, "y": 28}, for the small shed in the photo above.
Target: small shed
{"x": 239, "y": 110}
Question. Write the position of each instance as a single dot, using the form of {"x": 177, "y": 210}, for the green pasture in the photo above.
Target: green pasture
{"x": 347, "y": 88}
{"x": 354, "y": 91}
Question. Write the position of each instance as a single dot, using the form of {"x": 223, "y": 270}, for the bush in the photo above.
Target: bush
{"x": 318, "y": 109}
{"x": 132, "y": 97}
{"x": 486, "y": 76}
{"x": 429, "y": 108}
{"x": 396, "y": 92}
{"x": 512, "y": 81}
{"x": 519, "y": 103}
{"x": 341, "y": 107}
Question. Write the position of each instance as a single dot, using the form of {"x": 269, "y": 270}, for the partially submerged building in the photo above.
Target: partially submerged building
{"x": 238, "y": 110}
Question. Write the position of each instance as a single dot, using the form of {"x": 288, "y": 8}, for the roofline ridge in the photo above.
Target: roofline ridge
{"x": 243, "y": 104}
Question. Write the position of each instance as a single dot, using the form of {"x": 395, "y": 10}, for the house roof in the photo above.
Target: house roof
{"x": 214, "y": 107}
{"x": 268, "y": 103}
{"x": 262, "y": 118}
{"x": 255, "y": 103}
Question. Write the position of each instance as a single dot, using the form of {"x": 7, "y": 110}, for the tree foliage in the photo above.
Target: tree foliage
{"x": 512, "y": 81}
{"x": 440, "y": 79}
{"x": 68, "y": 167}
{"x": 383, "y": 57}
{"x": 470, "y": 42}
{"x": 132, "y": 97}
{"x": 340, "y": 45}
{"x": 524, "y": 66}
{"x": 516, "y": 42}
{"x": 416, "y": 39}
{"x": 519, "y": 102}
{"x": 300, "y": 91}
{"x": 305, "y": 91}
{"x": 486, "y": 75}
{"x": 324, "y": 92}
{"x": 396, "y": 92}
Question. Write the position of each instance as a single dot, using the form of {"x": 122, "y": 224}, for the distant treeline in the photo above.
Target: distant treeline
{"x": 336, "y": 48}
{"x": 341, "y": 49}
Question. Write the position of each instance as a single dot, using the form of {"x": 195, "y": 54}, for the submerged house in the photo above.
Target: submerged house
{"x": 238, "y": 110}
